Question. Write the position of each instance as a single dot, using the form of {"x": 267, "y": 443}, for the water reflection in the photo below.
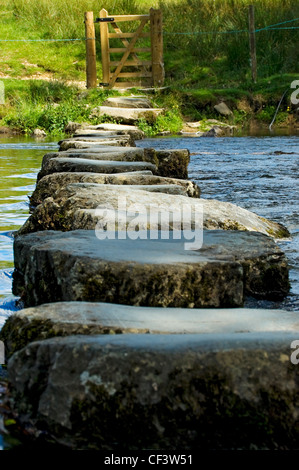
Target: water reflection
{"x": 20, "y": 161}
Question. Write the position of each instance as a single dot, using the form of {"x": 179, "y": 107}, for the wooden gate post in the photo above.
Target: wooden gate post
{"x": 105, "y": 48}
{"x": 252, "y": 43}
{"x": 157, "y": 47}
{"x": 91, "y": 65}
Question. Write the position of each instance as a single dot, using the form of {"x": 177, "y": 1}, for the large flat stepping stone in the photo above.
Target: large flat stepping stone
{"x": 107, "y": 126}
{"x": 58, "y": 165}
{"x": 62, "y": 266}
{"x": 172, "y": 189}
{"x": 77, "y": 207}
{"x": 181, "y": 391}
{"x": 136, "y": 134}
{"x": 99, "y": 138}
{"x": 48, "y": 185}
{"x": 90, "y": 145}
{"x": 171, "y": 163}
{"x": 87, "y": 318}
{"x": 128, "y": 102}
{"x": 127, "y": 115}
{"x": 126, "y": 154}
{"x": 86, "y": 142}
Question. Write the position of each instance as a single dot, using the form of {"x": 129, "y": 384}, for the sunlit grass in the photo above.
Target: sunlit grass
{"x": 201, "y": 67}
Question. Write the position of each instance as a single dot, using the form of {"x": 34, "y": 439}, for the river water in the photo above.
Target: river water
{"x": 260, "y": 174}
{"x": 20, "y": 161}
{"x": 257, "y": 173}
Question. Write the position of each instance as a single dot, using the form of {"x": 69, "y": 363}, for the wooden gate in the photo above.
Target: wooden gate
{"x": 148, "y": 71}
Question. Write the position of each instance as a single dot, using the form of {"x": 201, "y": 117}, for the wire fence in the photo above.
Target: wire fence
{"x": 273, "y": 27}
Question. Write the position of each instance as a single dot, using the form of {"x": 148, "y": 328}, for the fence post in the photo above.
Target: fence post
{"x": 157, "y": 47}
{"x": 252, "y": 43}
{"x": 105, "y": 48}
{"x": 91, "y": 64}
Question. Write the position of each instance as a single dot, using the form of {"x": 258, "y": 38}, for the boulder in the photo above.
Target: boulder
{"x": 106, "y": 153}
{"x": 132, "y": 392}
{"x": 169, "y": 163}
{"x": 209, "y": 269}
{"x": 48, "y": 185}
{"x": 39, "y": 133}
{"x": 58, "y": 165}
{"x": 173, "y": 189}
{"x": 135, "y": 134}
{"x": 89, "y": 318}
{"x": 77, "y": 207}
{"x": 215, "y": 131}
{"x": 86, "y": 142}
{"x": 223, "y": 109}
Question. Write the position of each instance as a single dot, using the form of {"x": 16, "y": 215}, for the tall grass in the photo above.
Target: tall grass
{"x": 34, "y": 104}
{"x": 200, "y": 56}
{"x": 65, "y": 18}
{"x": 209, "y": 20}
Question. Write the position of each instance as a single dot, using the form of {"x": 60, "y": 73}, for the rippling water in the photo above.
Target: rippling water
{"x": 20, "y": 161}
{"x": 257, "y": 173}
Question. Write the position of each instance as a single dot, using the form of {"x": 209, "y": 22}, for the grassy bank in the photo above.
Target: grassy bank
{"x": 206, "y": 55}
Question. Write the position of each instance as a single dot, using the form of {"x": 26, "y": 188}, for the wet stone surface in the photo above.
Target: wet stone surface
{"x": 76, "y": 265}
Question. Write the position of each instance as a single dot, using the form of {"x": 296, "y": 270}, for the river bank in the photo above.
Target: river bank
{"x": 38, "y": 107}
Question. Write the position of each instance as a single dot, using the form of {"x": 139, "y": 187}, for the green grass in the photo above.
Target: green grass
{"x": 46, "y": 80}
{"x": 47, "y": 105}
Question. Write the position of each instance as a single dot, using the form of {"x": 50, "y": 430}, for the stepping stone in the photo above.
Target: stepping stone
{"x": 98, "y": 149}
{"x": 86, "y": 145}
{"x": 74, "y": 207}
{"x": 135, "y": 134}
{"x": 49, "y": 184}
{"x": 89, "y": 318}
{"x": 85, "y": 142}
{"x": 127, "y": 116}
{"x": 55, "y": 165}
{"x": 128, "y": 102}
{"x": 181, "y": 391}
{"x": 55, "y": 266}
{"x": 111, "y": 127}
{"x": 173, "y": 189}
{"x": 170, "y": 163}
{"x": 97, "y": 138}
{"x": 112, "y": 153}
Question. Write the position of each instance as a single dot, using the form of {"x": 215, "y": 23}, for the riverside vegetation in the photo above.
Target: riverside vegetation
{"x": 45, "y": 80}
